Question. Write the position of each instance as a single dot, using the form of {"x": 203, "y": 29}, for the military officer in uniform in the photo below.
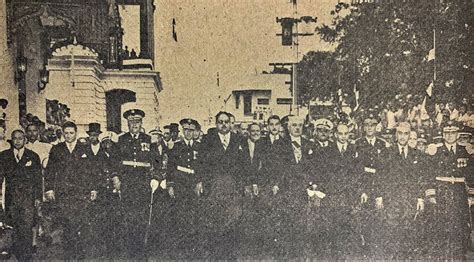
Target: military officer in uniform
{"x": 452, "y": 166}
{"x": 182, "y": 182}
{"x": 139, "y": 179}
{"x": 370, "y": 151}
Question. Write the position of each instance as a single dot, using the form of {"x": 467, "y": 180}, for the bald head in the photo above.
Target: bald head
{"x": 403, "y": 133}
{"x": 342, "y": 133}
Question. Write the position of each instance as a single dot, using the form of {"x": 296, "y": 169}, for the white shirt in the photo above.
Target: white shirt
{"x": 18, "y": 153}
{"x": 188, "y": 142}
{"x": 451, "y": 147}
{"x": 251, "y": 149}
{"x": 341, "y": 147}
{"x": 71, "y": 146}
{"x": 371, "y": 140}
{"x": 95, "y": 148}
{"x": 273, "y": 138}
{"x": 405, "y": 150}
{"x": 225, "y": 139}
{"x": 323, "y": 144}
{"x": 296, "y": 150}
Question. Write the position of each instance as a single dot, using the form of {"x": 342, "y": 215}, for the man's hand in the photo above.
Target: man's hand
{"x": 420, "y": 205}
{"x": 432, "y": 200}
{"x": 199, "y": 189}
{"x": 116, "y": 183}
{"x": 275, "y": 189}
{"x": 49, "y": 195}
{"x": 379, "y": 203}
{"x": 255, "y": 189}
{"x": 154, "y": 184}
{"x": 247, "y": 191}
{"x": 171, "y": 192}
{"x": 363, "y": 198}
{"x": 93, "y": 195}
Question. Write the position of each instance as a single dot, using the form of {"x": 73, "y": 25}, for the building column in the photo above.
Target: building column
{"x": 8, "y": 88}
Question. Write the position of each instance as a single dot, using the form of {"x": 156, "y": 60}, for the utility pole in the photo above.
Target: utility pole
{"x": 291, "y": 38}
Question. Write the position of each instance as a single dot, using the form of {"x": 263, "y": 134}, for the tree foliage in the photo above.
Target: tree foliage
{"x": 382, "y": 48}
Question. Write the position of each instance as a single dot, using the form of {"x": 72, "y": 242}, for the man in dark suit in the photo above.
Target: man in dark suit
{"x": 219, "y": 169}
{"x": 66, "y": 182}
{"x": 293, "y": 158}
{"x": 139, "y": 180}
{"x": 403, "y": 192}
{"x": 21, "y": 169}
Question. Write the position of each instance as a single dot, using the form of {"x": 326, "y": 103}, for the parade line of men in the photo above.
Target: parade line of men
{"x": 228, "y": 196}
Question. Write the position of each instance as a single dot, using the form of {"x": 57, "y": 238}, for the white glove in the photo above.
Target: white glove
{"x": 275, "y": 189}
{"x": 93, "y": 195}
{"x": 171, "y": 192}
{"x": 379, "y": 203}
{"x": 363, "y": 198}
{"x": 255, "y": 189}
{"x": 116, "y": 183}
{"x": 199, "y": 189}
{"x": 163, "y": 184}
{"x": 49, "y": 195}
{"x": 420, "y": 205}
{"x": 154, "y": 184}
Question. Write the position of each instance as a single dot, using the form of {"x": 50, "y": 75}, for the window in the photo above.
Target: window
{"x": 263, "y": 101}
{"x": 247, "y": 104}
{"x": 284, "y": 101}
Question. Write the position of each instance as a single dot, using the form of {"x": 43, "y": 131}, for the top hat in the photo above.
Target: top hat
{"x": 94, "y": 128}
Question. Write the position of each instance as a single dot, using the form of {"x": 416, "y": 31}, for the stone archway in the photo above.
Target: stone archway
{"x": 114, "y": 100}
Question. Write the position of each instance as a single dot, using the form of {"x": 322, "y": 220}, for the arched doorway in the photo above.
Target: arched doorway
{"x": 114, "y": 100}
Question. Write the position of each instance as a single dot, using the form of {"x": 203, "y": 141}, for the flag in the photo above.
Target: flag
{"x": 429, "y": 90}
{"x": 175, "y": 36}
{"x": 357, "y": 96}
{"x": 431, "y": 55}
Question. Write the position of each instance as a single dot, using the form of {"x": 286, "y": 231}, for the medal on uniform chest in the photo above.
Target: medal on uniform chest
{"x": 145, "y": 147}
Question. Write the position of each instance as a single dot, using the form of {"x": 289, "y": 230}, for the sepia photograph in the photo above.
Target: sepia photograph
{"x": 236, "y": 130}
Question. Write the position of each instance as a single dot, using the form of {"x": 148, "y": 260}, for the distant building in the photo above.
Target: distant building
{"x": 70, "y": 52}
{"x": 259, "y": 96}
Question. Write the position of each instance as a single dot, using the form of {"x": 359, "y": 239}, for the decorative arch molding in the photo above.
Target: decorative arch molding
{"x": 46, "y": 15}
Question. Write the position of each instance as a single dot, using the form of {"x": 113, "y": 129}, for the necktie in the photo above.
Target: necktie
{"x": 343, "y": 149}
{"x": 403, "y": 152}
{"x": 17, "y": 156}
{"x": 297, "y": 150}
{"x": 225, "y": 143}
{"x": 451, "y": 150}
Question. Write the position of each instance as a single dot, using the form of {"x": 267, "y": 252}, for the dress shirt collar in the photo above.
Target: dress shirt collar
{"x": 19, "y": 153}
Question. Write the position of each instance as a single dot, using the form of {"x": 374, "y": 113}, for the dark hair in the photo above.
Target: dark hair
{"x": 222, "y": 113}
{"x": 32, "y": 124}
{"x": 70, "y": 124}
{"x": 253, "y": 124}
{"x": 273, "y": 117}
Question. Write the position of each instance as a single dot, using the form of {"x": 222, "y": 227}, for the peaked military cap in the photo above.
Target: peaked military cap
{"x": 134, "y": 114}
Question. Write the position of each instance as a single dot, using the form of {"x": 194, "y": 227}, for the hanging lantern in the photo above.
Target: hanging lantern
{"x": 44, "y": 79}
{"x": 21, "y": 67}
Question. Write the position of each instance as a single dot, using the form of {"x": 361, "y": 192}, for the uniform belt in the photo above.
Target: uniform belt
{"x": 135, "y": 163}
{"x": 185, "y": 169}
{"x": 451, "y": 179}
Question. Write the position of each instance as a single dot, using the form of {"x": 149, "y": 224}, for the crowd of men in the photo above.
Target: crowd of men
{"x": 302, "y": 189}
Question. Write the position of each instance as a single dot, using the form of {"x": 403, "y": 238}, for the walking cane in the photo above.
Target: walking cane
{"x": 153, "y": 186}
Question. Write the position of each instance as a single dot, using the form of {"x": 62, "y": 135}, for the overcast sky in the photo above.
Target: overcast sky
{"x": 234, "y": 38}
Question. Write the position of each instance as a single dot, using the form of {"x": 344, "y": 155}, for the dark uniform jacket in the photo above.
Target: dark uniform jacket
{"x": 101, "y": 165}
{"x": 183, "y": 162}
{"x": 369, "y": 164}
